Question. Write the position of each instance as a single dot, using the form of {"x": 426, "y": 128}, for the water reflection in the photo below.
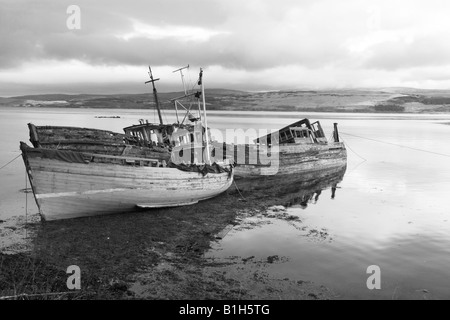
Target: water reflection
{"x": 295, "y": 189}
{"x": 310, "y": 194}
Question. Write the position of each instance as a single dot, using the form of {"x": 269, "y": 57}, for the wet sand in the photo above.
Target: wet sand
{"x": 153, "y": 254}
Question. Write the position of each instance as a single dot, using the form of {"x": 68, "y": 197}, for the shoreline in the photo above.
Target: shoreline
{"x": 318, "y": 110}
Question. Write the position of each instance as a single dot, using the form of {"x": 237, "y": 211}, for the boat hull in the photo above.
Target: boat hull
{"x": 70, "y": 189}
{"x": 294, "y": 159}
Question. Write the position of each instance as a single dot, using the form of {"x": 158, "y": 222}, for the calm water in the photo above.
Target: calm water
{"x": 392, "y": 208}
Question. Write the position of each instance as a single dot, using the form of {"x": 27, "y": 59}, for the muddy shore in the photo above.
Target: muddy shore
{"x": 154, "y": 254}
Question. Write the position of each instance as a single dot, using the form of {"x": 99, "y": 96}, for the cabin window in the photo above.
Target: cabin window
{"x": 184, "y": 139}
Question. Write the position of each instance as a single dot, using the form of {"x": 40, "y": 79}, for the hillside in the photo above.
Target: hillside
{"x": 344, "y": 100}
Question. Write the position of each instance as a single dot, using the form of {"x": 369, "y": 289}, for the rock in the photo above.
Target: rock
{"x": 169, "y": 254}
{"x": 246, "y": 259}
{"x": 276, "y": 208}
{"x": 313, "y": 295}
{"x": 272, "y": 259}
{"x": 118, "y": 285}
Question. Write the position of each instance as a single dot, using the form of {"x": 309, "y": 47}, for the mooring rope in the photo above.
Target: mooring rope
{"x": 239, "y": 190}
{"x": 26, "y": 195}
{"x": 25, "y": 295}
{"x": 347, "y": 145}
{"x": 10, "y": 161}
{"x": 397, "y": 145}
{"x": 26, "y": 205}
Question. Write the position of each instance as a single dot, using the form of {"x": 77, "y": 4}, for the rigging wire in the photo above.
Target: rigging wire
{"x": 397, "y": 145}
{"x": 331, "y": 136}
{"x": 190, "y": 80}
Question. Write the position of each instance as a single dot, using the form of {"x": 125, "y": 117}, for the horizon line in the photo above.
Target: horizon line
{"x": 238, "y": 90}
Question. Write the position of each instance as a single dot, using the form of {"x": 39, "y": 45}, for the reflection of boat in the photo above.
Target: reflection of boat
{"x": 78, "y": 172}
{"x": 311, "y": 191}
{"x": 297, "y": 188}
{"x": 298, "y": 147}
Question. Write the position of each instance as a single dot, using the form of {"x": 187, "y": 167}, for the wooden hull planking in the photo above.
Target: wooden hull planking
{"x": 296, "y": 158}
{"x": 68, "y": 190}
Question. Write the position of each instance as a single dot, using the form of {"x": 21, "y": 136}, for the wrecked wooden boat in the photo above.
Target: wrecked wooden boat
{"x": 93, "y": 140}
{"x": 68, "y": 184}
{"x": 78, "y": 172}
{"x": 162, "y": 141}
{"x": 298, "y": 147}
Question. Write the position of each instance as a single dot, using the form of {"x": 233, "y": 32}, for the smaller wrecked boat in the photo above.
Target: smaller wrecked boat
{"x": 79, "y": 172}
{"x": 296, "y": 148}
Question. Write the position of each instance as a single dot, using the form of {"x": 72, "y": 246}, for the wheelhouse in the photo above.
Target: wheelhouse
{"x": 298, "y": 132}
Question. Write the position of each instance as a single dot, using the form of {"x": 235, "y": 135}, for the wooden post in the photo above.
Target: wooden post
{"x": 336, "y": 133}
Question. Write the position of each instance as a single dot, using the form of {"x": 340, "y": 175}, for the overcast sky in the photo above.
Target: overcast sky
{"x": 241, "y": 44}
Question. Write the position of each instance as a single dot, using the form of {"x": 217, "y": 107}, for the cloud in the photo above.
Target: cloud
{"x": 180, "y": 33}
{"x": 253, "y": 34}
{"x": 409, "y": 53}
{"x": 259, "y": 42}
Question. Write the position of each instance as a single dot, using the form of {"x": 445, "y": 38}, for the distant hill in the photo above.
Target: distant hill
{"x": 332, "y": 100}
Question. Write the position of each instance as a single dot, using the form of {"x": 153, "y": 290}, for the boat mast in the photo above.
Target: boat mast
{"x": 200, "y": 82}
{"x": 184, "y": 87}
{"x": 182, "y": 77}
{"x": 155, "y": 93}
